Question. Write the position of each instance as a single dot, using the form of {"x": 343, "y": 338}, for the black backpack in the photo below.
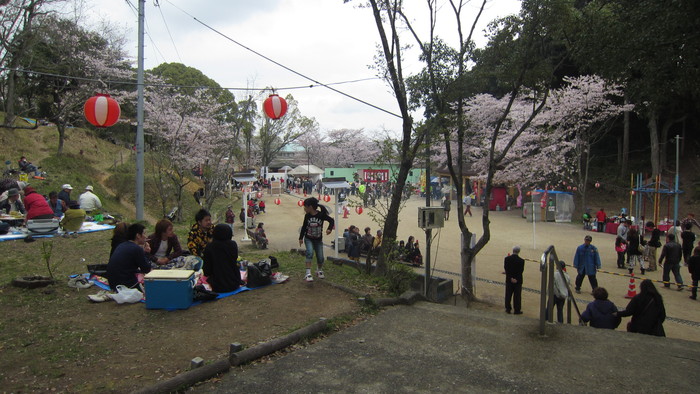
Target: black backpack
{"x": 259, "y": 274}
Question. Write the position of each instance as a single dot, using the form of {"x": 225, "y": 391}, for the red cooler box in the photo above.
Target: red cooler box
{"x": 169, "y": 289}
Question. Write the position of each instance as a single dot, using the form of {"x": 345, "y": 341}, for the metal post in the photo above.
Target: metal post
{"x": 543, "y": 287}
{"x": 675, "y": 195}
{"x": 336, "y": 225}
{"x": 245, "y": 216}
{"x": 550, "y": 289}
{"x": 428, "y": 232}
{"x": 534, "y": 224}
{"x": 139, "y": 117}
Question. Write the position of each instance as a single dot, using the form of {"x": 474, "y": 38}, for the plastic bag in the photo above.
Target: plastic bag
{"x": 126, "y": 295}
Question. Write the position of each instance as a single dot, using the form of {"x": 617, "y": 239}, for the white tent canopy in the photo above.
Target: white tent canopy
{"x": 306, "y": 170}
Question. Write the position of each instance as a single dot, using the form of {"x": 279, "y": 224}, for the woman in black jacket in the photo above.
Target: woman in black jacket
{"x": 635, "y": 244}
{"x": 221, "y": 261}
{"x": 653, "y": 244}
{"x": 647, "y": 311}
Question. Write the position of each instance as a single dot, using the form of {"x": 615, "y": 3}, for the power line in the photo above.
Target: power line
{"x": 282, "y": 65}
{"x": 135, "y": 11}
{"x": 167, "y": 28}
{"x": 132, "y": 82}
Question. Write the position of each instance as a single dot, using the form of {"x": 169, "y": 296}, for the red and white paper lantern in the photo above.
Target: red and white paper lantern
{"x": 275, "y": 106}
{"x": 102, "y": 110}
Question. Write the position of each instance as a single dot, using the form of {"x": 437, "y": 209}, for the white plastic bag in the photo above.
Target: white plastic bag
{"x": 127, "y": 295}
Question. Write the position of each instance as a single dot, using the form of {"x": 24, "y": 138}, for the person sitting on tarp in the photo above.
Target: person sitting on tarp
{"x": 36, "y": 205}
{"x": 73, "y": 220}
{"x": 89, "y": 201}
{"x": 64, "y": 194}
{"x": 59, "y": 206}
{"x": 221, "y": 261}
{"x": 12, "y": 203}
{"x": 129, "y": 259}
{"x": 200, "y": 234}
{"x": 165, "y": 246}
{"x": 26, "y": 166}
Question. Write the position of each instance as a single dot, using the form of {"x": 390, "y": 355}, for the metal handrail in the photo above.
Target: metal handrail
{"x": 547, "y": 287}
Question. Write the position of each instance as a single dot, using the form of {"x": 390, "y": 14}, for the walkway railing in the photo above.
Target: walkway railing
{"x": 548, "y": 263}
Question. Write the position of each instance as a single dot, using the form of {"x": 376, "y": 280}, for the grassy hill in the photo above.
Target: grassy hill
{"x": 90, "y": 160}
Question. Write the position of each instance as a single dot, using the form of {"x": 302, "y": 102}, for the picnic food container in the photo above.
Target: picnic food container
{"x": 169, "y": 289}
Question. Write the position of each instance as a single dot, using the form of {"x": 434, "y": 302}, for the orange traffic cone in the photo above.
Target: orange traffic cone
{"x": 632, "y": 290}
{"x": 345, "y": 212}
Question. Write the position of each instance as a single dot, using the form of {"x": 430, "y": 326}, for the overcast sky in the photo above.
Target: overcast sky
{"x": 323, "y": 39}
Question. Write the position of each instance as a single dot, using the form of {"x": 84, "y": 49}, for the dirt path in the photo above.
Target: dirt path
{"x": 508, "y": 228}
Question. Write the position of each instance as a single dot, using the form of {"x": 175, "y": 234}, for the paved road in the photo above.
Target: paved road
{"x": 441, "y": 348}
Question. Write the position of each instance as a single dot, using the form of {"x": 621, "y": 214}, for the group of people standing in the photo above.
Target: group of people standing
{"x": 646, "y": 308}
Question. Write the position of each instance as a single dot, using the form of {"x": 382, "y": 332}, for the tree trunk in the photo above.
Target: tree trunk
{"x": 654, "y": 143}
{"x": 625, "y": 143}
{"x": 10, "y": 98}
{"x": 61, "y": 128}
{"x": 467, "y": 255}
{"x": 663, "y": 157}
{"x": 392, "y": 217}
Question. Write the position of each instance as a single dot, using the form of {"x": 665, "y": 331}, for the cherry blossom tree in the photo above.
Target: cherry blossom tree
{"x": 555, "y": 146}
{"x": 579, "y": 115}
{"x": 347, "y": 146}
{"x": 186, "y": 132}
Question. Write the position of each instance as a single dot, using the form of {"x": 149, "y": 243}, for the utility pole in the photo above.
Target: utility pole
{"x": 139, "y": 117}
{"x": 428, "y": 231}
{"x": 675, "y": 194}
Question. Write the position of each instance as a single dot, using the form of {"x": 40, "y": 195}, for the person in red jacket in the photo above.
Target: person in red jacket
{"x": 601, "y": 216}
{"x": 36, "y": 205}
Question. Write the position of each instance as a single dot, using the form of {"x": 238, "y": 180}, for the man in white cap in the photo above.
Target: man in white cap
{"x": 89, "y": 201}
{"x": 64, "y": 194}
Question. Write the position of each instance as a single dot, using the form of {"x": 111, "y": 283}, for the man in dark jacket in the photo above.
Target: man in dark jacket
{"x": 673, "y": 253}
{"x": 129, "y": 258}
{"x": 514, "y": 266}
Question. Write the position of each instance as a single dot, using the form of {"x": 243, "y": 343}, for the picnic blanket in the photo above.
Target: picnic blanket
{"x": 102, "y": 283}
{"x": 88, "y": 227}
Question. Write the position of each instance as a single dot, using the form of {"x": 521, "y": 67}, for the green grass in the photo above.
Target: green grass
{"x": 52, "y": 333}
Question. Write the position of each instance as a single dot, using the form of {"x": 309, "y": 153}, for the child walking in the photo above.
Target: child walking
{"x": 620, "y": 248}
{"x": 311, "y": 234}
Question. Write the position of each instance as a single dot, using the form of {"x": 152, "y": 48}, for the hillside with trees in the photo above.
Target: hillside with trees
{"x": 565, "y": 92}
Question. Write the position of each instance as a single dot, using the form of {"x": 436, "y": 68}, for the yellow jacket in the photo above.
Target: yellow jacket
{"x": 73, "y": 219}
